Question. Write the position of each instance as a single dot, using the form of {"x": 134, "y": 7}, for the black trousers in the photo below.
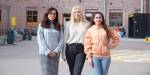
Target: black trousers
{"x": 75, "y": 58}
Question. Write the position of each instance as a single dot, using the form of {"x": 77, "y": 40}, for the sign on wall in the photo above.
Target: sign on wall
{"x": 13, "y": 21}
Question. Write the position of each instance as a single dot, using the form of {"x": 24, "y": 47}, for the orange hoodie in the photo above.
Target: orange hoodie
{"x": 97, "y": 44}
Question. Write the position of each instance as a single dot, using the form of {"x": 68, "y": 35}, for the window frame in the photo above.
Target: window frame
{"x": 31, "y": 13}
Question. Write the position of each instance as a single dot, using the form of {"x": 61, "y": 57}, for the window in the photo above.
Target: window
{"x": 79, "y": 1}
{"x": 66, "y": 17}
{"x": 89, "y": 12}
{"x": 115, "y": 18}
{"x": 32, "y": 17}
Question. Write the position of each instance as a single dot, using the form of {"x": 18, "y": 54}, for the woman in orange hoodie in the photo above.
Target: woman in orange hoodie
{"x": 98, "y": 41}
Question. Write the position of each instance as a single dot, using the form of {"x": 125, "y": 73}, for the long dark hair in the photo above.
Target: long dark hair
{"x": 103, "y": 23}
{"x": 46, "y": 22}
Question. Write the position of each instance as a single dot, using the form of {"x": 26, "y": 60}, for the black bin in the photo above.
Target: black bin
{"x": 10, "y": 37}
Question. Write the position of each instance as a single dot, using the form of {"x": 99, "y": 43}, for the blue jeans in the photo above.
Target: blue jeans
{"x": 101, "y": 65}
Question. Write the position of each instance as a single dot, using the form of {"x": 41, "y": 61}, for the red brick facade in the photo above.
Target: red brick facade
{"x": 18, "y": 9}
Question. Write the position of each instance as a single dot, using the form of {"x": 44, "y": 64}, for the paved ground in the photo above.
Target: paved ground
{"x": 130, "y": 58}
{"x": 132, "y": 50}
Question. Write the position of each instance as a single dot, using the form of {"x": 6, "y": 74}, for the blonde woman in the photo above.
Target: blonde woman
{"x": 99, "y": 39}
{"x": 74, "y": 31}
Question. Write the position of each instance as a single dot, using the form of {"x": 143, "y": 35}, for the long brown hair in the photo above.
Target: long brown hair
{"x": 46, "y": 22}
{"x": 103, "y": 23}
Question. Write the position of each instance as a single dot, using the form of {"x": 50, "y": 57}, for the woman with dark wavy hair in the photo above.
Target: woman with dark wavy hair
{"x": 98, "y": 41}
{"x": 50, "y": 41}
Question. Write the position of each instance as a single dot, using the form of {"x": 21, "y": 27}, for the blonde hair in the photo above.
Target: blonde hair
{"x": 82, "y": 18}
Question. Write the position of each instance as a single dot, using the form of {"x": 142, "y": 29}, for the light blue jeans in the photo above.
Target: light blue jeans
{"x": 101, "y": 65}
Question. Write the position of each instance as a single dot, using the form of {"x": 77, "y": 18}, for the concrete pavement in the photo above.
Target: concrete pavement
{"x": 132, "y": 50}
{"x": 22, "y": 59}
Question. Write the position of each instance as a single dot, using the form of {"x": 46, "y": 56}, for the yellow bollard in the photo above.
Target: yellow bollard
{"x": 147, "y": 39}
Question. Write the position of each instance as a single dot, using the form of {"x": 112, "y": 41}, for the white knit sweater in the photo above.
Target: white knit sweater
{"x": 74, "y": 34}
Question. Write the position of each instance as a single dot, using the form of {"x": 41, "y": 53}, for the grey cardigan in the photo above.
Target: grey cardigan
{"x": 49, "y": 39}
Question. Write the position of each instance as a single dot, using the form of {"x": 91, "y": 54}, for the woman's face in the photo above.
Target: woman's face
{"x": 77, "y": 14}
{"x": 52, "y": 15}
{"x": 98, "y": 19}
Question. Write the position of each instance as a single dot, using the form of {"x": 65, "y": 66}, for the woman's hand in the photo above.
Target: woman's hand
{"x": 52, "y": 54}
{"x": 90, "y": 61}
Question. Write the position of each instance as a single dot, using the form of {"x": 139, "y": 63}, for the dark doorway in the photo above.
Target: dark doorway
{"x": 139, "y": 25}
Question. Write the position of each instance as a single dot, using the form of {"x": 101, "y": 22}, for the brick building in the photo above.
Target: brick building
{"x": 28, "y": 13}
{"x": 145, "y": 5}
